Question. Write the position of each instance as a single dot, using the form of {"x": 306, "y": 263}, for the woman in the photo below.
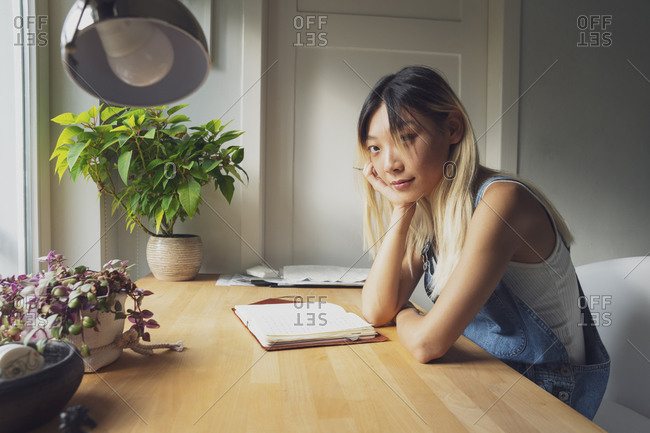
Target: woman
{"x": 503, "y": 276}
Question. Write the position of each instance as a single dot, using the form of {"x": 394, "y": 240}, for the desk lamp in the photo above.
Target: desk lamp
{"x": 136, "y": 53}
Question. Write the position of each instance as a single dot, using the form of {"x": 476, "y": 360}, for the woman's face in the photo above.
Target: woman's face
{"x": 415, "y": 170}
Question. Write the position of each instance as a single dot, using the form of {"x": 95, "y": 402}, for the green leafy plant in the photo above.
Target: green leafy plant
{"x": 148, "y": 161}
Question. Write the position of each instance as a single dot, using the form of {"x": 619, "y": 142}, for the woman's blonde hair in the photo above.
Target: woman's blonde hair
{"x": 444, "y": 216}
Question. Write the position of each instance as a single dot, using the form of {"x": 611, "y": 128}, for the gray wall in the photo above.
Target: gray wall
{"x": 583, "y": 127}
{"x": 75, "y": 216}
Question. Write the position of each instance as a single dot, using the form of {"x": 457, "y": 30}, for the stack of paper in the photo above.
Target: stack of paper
{"x": 298, "y": 275}
{"x": 329, "y": 274}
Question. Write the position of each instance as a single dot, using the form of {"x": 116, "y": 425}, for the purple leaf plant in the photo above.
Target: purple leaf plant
{"x": 57, "y": 302}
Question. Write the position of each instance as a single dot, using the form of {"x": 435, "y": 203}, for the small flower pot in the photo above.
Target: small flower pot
{"x": 177, "y": 258}
{"x": 108, "y": 330}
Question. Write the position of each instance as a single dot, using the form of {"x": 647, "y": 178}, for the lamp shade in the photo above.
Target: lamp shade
{"x": 136, "y": 53}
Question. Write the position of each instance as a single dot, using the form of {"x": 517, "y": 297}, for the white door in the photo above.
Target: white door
{"x": 324, "y": 59}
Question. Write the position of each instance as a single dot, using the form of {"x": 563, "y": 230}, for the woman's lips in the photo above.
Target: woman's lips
{"x": 402, "y": 183}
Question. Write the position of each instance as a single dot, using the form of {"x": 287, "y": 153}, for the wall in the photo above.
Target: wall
{"x": 75, "y": 216}
{"x": 583, "y": 134}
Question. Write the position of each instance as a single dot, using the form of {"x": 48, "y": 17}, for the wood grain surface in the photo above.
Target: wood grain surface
{"x": 225, "y": 382}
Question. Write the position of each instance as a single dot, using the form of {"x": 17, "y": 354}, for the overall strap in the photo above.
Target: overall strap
{"x": 487, "y": 182}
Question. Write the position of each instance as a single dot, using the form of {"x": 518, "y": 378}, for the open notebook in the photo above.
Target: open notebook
{"x": 286, "y": 324}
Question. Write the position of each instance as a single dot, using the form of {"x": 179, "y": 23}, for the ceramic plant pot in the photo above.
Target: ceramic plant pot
{"x": 108, "y": 330}
{"x": 175, "y": 259}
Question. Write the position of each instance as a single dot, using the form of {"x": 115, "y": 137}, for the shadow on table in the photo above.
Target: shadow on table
{"x": 130, "y": 360}
{"x": 462, "y": 353}
{"x": 86, "y": 399}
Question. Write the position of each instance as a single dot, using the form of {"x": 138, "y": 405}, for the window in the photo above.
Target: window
{"x": 21, "y": 32}
{"x": 13, "y": 236}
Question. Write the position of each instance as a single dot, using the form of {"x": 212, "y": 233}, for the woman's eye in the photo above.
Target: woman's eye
{"x": 407, "y": 138}
{"x": 373, "y": 149}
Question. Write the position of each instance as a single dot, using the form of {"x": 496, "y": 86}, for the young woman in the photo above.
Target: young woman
{"x": 503, "y": 276}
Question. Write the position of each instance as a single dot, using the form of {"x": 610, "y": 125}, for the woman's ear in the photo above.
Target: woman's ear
{"x": 455, "y": 126}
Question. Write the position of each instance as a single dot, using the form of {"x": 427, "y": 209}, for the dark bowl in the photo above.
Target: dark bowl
{"x": 33, "y": 400}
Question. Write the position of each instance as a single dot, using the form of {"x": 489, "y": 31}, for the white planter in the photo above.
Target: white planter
{"x": 175, "y": 259}
{"x": 109, "y": 330}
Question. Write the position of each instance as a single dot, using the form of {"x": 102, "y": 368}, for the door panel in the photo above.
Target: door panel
{"x": 443, "y": 10}
{"x": 313, "y": 205}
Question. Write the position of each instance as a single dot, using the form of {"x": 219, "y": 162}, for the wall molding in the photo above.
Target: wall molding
{"x": 252, "y": 115}
{"x": 504, "y": 24}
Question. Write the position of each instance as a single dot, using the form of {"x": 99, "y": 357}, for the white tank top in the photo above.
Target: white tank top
{"x": 550, "y": 289}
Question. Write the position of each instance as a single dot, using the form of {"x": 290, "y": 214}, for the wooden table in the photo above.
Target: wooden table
{"x": 225, "y": 382}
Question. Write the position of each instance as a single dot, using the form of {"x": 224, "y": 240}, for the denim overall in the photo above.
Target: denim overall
{"x": 509, "y": 330}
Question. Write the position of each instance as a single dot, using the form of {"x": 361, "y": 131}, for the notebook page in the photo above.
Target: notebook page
{"x": 307, "y": 319}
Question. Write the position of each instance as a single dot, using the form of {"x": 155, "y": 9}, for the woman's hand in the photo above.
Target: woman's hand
{"x": 383, "y": 188}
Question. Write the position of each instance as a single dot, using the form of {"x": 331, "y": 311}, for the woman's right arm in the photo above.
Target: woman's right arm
{"x": 390, "y": 282}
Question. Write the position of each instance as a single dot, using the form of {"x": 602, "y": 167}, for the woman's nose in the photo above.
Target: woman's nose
{"x": 393, "y": 161}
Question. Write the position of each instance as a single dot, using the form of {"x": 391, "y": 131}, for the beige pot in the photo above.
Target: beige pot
{"x": 109, "y": 330}
{"x": 175, "y": 259}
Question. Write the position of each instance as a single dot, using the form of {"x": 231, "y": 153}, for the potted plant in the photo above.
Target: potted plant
{"x": 153, "y": 167}
{"x": 74, "y": 304}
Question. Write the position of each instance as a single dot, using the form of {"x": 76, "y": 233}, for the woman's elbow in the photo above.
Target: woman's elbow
{"x": 424, "y": 352}
{"x": 375, "y": 315}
